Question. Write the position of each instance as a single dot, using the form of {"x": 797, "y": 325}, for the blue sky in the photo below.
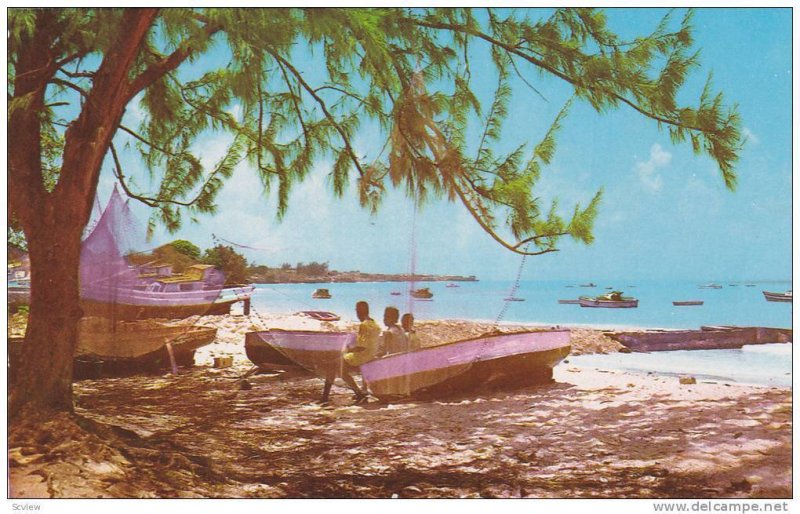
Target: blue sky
{"x": 665, "y": 212}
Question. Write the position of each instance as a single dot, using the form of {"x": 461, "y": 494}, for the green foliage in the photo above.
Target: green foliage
{"x": 231, "y": 263}
{"x": 186, "y": 248}
{"x": 312, "y": 269}
{"x": 403, "y": 71}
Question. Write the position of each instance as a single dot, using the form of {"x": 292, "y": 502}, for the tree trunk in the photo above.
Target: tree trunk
{"x": 44, "y": 374}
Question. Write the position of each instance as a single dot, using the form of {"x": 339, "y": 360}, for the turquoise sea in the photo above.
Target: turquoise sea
{"x": 483, "y": 300}
{"x": 733, "y": 304}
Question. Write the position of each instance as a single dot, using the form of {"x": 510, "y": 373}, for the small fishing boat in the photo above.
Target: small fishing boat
{"x": 319, "y": 352}
{"x": 707, "y": 338}
{"x": 489, "y": 361}
{"x": 613, "y": 300}
{"x": 710, "y": 286}
{"x": 687, "y": 303}
{"x": 513, "y": 299}
{"x": 569, "y": 302}
{"x": 107, "y": 349}
{"x": 778, "y": 297}
{"x": 395, "y": 293}
{"x": 321, "y": 294}
{"x": 422, "y": 293}
{"x": 749, "y": 285}
{"x": 321, "y": 315}
{"x": 451, "y": 284}
{"x": 590, "y": 284}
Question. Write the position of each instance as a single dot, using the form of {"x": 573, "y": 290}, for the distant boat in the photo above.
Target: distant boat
{"x": 687, "y": 303}
{"x": 590, "y": 284}
{"x": 452, "y": 285}
{"x": 513, "y": 299}
{"x": 321, "y": 294}
{"x": 613, "y": 300}
{"x": 395, "y": 293}
{"x": 778, "y": 297}
{"x": 610, "y": 287}
{"x": 570, "y": 302}
{"x": 490, "y": 361}
{"x": 422, "y": 293}
{"x": 749, "y": 285}
{"x": 569, "y": 286}
{"x": 710, "y": 286}
{"x": 733, "y": 285}
{"x": 321, "y": 315}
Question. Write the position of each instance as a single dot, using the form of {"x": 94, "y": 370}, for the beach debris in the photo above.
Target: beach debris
{"x": 223, "y": 362}
{"x": 687, "y": 380}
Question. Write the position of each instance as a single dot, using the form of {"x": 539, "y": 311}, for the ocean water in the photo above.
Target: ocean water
{"x": 769, "y": 365}
{"x": 483, "y": 300}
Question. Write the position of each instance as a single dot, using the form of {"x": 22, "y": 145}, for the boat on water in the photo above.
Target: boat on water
{"x": 321, "y": 294}
{"x": 451, "y": 284}
{"x": 590, "y": 284}
{"x": 321, "y": 315}
{"x": 123, "y": 348}
{"x": 422, "y": 294}
{"x": 777, "y": 297}
{"x": 569, "y": 302}
{"x": 489, "y": 361}
{"x": 513, "y": 299}
{"x": 613, "y": 300}
{"x": 395, "y": 293}
{"x": 710, "y": 286}
{"x": 687, "y": 303}
{"x": 749, "y": 285}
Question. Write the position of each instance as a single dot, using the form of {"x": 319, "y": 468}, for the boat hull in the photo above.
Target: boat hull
{"x": 133, "y": 352}
{"x": 319, "y": 352}
{"x": 687, "y": 303}
{"x": 608, "y": 304}
{"x": 777, "y": 297}
{"x": 130, "y": 312}
{"x": 489, "y": 362}
{"x": 707, "y": 338}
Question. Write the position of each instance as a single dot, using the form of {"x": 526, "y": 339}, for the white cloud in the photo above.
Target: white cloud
{"x": 648, "y": 170}
{"x": 750, "y": 137}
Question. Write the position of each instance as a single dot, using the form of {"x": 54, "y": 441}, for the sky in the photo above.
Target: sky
{"x": 665, "y": 214}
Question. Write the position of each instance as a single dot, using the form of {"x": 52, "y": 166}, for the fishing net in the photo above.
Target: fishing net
{"x": 124, "y": 289}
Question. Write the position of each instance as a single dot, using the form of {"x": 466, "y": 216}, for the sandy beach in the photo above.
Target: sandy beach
{"x": 591, "y": 434}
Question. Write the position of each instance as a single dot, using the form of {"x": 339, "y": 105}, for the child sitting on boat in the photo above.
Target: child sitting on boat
{"x": 394, "y": 339}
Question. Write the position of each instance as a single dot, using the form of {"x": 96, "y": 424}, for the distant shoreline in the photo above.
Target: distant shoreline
{"x": 352, "y": 277}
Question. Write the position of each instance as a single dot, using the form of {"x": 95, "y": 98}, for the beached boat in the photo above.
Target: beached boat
{"x": 687, "y": 303}
{"x": 422, "y": 293}
{"x": 777, "y": 297}
{"x": 319, "y": 352}
{"x": 111, "y": 287}
{"x": 613, "y": 300}
{"x": 321, "y": 294}
{"x": 513, "y": 299}
{"x": 124, "y": 348}
{"x": 321, "y": 315}
{"x": 569, "y": 302}
{"x": 489, "y": 361}
{"x": 707, "y": 338}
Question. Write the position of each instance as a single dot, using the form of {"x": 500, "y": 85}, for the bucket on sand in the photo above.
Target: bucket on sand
{"x": 223, "y": 362}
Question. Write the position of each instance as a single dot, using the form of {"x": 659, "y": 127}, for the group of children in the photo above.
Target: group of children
{"x": 371, "y": 344}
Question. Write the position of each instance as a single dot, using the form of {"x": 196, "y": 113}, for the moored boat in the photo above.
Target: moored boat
{"x": 569, "y": 302}
{"x": 422, "y": 294}
{"x": 777, "y": 297}
{"x": 590, "y": 284}
{"x": 489, "y": 361}
{"x": 710, "y": 286}
{"x": 321, "y": 294}
{"x": 395, "y": 293}
{"x": 613, "y": 300}
{"x": 687, "y": 303}
{"x": 513, "y": 299}
{"x": 451, "y": 284}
